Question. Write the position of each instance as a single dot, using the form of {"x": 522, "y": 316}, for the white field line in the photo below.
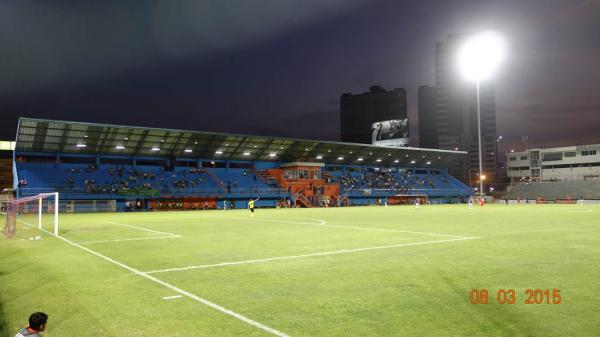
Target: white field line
{"x": 324, "y": 224}
{"x": 166, "y": 298}
{"x": 335, "y": 252}
{"x": 132, "y": 239}
{"x": 175, "y": 289}
{"x": 142, "y": 228}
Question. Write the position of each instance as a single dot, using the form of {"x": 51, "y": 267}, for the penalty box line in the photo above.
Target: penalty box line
{"x": 291, "y": 257}
{"x": 164, "y": 235}
{"x": 174, "y": 288}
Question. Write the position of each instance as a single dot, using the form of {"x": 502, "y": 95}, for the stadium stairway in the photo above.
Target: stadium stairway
{"x": 216, "y": 180}
{"x": 303, "y": 201}
{"x": 267, "y": 178}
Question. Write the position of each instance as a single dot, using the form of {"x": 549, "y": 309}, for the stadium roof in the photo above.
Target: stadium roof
{"x": 52, "y": 136}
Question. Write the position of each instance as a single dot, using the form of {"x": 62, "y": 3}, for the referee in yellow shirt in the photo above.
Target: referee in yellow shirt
{"x": 251, "y": 206}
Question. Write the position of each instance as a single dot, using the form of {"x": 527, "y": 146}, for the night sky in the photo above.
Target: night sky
{"x": 279, "y": 67}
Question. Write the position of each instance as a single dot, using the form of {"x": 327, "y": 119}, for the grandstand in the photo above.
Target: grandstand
{"x": 556, "y": 190}
{"x": 165, "y": 169}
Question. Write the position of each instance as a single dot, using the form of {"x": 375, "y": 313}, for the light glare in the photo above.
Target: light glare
{"x": 479, "y": 57}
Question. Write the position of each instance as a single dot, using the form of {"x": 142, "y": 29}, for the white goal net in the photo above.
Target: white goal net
{"x": 39, "y": 211}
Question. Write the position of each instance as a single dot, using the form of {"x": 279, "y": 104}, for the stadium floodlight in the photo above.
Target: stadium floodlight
{"x": 272, "y": 154}
{"x": 428, "y": 163}
{"x": 481, "y": 55}
{"x": 187, "y": 150}
{"x": 155, "y": 149}
{"x": 120, "y": 147}
{"x": 360, "y": 159}
{"x": 246, "y": 153}
{"x": 340, "y": 158}
{"x": 378, "y": 160}
{"x": 319, "y": 157}
{"x": 396, "y": 161}
{"x": 218, "y": 152}
{"x": 80, "y": 146}
{"x": 413, "y": 161}
{"x": 478, "y": 60}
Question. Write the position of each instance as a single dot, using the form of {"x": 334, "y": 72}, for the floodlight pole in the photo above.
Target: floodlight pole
{"x": 481, "y": 175}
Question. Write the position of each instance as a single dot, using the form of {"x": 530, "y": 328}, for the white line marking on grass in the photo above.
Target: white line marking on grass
{"x": 323, "y": 223}
{"x": 174, "y": 288}
{"x": 166, "y": 298}
{"x": 141, "y": 228}
{"x": 336, "y": 252}
{"x": 132, "y": 239}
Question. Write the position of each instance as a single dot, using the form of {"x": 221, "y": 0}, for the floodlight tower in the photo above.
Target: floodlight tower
{"x": 478, "y": 59}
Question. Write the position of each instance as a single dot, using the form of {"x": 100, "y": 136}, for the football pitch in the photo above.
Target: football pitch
{"x": 363, "y": 271}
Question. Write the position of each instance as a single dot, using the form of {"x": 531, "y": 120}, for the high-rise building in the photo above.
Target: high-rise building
{"x": 358, "y": 112}
{"x": 428, "y": 126}
{"x": 456, "y": 112}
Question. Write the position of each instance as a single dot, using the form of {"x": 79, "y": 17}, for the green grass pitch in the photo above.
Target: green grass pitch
{"x": 364, "y": 271}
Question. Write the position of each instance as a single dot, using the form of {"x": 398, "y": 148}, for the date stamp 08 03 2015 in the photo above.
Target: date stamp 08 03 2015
{"x": 509, "y": 296}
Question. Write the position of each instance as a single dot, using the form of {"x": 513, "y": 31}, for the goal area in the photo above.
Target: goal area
{"x": 38, "y": 211}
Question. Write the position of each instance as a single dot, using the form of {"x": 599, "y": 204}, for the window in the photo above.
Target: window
{"x": 588, "y": 153}
{"x": 570, "y": 154}
{"x": 562, "y": 166}
{"x": 512, "y": 158}
{"x": 523, "y": 157}
{"x": 552, "y": 156}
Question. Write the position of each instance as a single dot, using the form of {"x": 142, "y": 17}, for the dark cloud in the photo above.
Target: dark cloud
{"x": 279, "y": 67}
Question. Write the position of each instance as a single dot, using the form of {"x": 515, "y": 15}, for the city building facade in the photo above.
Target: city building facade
{"x": 428, "y": 126}
{"x": 358, "y": 112}
{"x": 579, "y": 162}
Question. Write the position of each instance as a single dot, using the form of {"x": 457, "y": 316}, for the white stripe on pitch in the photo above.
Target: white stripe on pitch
{"x": 324, "y": 224}
{"x": 132, "y": 239}
{"x": 336, "y": 252}
{"x": 166, "y": 298}
{"x": 141, "y": 228}
{"x": 175, "y": 289}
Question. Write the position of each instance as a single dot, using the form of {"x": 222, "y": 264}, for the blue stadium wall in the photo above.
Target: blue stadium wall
{"x": 53, "y": 171}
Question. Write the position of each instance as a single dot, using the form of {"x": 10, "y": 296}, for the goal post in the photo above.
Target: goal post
{"x": 43, "y": 206}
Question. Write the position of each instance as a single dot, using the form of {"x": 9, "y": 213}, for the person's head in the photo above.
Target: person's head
{"x": 37, "y": 321}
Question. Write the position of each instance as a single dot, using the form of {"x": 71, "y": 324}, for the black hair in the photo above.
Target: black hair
{"x": 36, "y": 320}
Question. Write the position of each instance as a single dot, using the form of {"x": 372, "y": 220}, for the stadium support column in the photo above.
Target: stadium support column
{"x": 55, "y": 213}
{"x": 481, "y": 175}
{"x": 40, "y": 213}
